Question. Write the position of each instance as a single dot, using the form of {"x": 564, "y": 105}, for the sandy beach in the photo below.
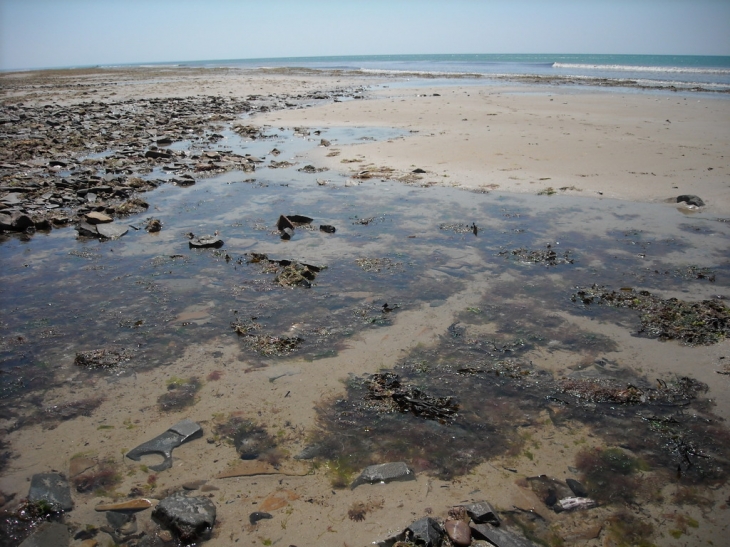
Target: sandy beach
{"x": 580, "y": 143}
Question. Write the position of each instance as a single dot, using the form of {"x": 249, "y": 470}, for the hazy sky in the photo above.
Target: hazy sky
{"x": 55, "y": 33}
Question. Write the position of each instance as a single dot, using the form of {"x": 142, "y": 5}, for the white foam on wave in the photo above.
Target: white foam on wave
{"x": 631, "y": 68}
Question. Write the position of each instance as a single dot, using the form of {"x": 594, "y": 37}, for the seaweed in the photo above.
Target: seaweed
{"x": 180, "y": 394}
{"x": 251, "y": 440}
{"x": 693, "y": 323}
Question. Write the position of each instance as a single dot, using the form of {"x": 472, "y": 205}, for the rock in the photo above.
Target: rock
{"x": 95, "y": 217}
{"x": 691, "y": 200}
{"x": 577, "y": 488}
{"x": 87, "y": 230}
{"x": 164, "y": 444}
{"x": 111, "y": 231}
{"x": 204, "y": 242}
{"x": 384, "y": 472}
{"x": 118, "y": 519}
{"x": 309, "y": 452}
{"x": 283, "y": 223}
{"x": 52, "y": 488}
{"x": 327, "y": 229}
{"x": 300, "y": 219}
{"x": 418, "y": 171}
{"x": 481, "y": 512}
{"x": 153, "y": 225}
{"x": 426, "y": 532}
{"x": 286, "y": 234}
{"x": 574, "y": 504}
{"x": 48, "y": 534}
{"x": 190, "y": 519}
{"x": 256, "y": 516}
{"x": 131, "y": 505}
{"x": 459, "y": 532}
{"x": 15, "y": 222}
{"x": 324, "y": 142}
{"x": 157, "y": 154}
{"x": 499, "y": 537}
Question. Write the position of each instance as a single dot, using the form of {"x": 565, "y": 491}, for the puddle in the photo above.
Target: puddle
{"x": 523, "y": 357}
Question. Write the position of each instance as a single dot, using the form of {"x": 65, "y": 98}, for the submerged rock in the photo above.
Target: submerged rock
{"x": 691, "y": 200}
{"x": 48, "y": 534}
{"x": 190, "y": 519}
{"x": 204, "y": 242}
{"x": 51, "y": 488}
{"x": 384, "y": 472}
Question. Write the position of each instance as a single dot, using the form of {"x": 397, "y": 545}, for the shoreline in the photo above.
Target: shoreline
{"x": 501, "y": 140}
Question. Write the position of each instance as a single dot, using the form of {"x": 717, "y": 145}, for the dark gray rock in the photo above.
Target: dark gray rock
{"x": 577, "y": 488}
{"x": 87, "y": 230}
{"x": 190, "y": 519}
{"x": 256, "y": 516}
{"x": 691, "y": 200}
{"x": 384, "y": 472}
{"x": 164, "y": 444}
{"x": 499, "y": 536}
{"x": 48, "y": 534}
{"x": 117, "y": 519}
{"x": 481, "y": 512}
{"x": 15, "y": 222}
{"x": 426, "y": 532}
{"x": 52, "y": 488}
{"x": 309, "y": 452}
{"x": 327, "y": 229}
{"x": 204, "y": 242}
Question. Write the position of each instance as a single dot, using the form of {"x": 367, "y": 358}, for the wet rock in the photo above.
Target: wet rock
{"x": 459, "y": 532}
{"x": 481, "y": 512}
{"x": 418, "y": 171}
{"x": 131, "y": 505}
{"x": 96, "y": 217}
{"x": 499, "y": 537}
{"x": 190, "y": 519}
{"x": 691, "y": 200}
{"x": 256, "y": 516}
{"x": 48, "y": 534}
{"x": 118, "y": 519}
{"x": 286, "y": 234}
{"x": 577, "y": 488}
{"x": 207, "y": 241}
{"x": 164, "y": 444}
{"x": 327, "y": 229}
{"x": 309, "y": 452}
{"x": 105, "y": 358}
{"x": 52, "y": 488}
{"x": 284, "y": 223}
{"x": 426, "y": 532}
{"x": 153, "y": 225}
{"x": 112, "y": 230}
{"x": 384, "y": 472}
{"x": 574, "y": 504}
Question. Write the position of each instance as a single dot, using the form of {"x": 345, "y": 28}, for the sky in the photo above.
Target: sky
{"x": 62, "y": 33}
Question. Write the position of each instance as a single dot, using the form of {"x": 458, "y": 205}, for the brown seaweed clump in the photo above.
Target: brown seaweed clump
{"x": 265, "y": 344}
{"x": 100, "y": 478}
{"x": 609, "y": 474}
{"x": 547, "y": 256}
{"x": 694, "y": 323}
{"x": 252, "y": 441}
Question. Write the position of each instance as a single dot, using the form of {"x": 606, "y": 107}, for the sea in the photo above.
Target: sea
{"x": 680, "y": 72}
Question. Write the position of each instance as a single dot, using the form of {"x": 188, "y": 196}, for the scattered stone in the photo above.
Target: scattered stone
{"x": 574, "y": 504}
{"x": 324, "y": 142}
{"x": 95, "y": 217}
{"x": 256, "y": 516}
{"x": 309, "y": 452}
{"x": 51, "y": 488}
{"x": 459, "y": 532}
{"x": 426, "y": 532}
{"x": 207, "y": 241}
{"x": 384, "y": 472}
{"x": 577, "y": 488}
{"x": 327, "y": 229}
{"x": 499, "y": 537}
{"x": 131, "y": 505}
{"x": 164, "y": 444}
{"x": 153, "y": 225}
{"x": 190, "y": 519}
{"x": 48, "y": 534}
{"x": 691, "y": 200}
{"x": 481, "y": 512}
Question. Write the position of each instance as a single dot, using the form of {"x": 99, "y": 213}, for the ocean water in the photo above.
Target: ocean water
{"x": 707, "y": 73}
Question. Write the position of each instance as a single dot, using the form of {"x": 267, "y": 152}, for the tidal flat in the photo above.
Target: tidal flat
{"x": 503, "y": 342}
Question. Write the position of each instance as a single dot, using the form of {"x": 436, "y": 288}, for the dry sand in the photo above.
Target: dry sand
{"x": 627, "y": 145}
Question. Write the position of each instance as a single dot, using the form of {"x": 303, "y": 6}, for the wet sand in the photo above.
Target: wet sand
{"x": 638, "y": 147}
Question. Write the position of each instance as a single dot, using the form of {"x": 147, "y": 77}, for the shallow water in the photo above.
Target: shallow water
{"x": 398, "y": 248}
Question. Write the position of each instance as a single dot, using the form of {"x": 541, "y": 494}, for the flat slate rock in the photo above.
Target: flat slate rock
{"x": 499, "y": 536}
{"x": 204, "y": 242}
{"x": 384, "y": 472}
{"x": 481, "y": 512}
{"x": 48, "y": 534}
{"x": 164, "y": 443}
{"x": 189, "y": 518}
{"x": 111, "y": 230}
{"x": 52, "y": 488}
